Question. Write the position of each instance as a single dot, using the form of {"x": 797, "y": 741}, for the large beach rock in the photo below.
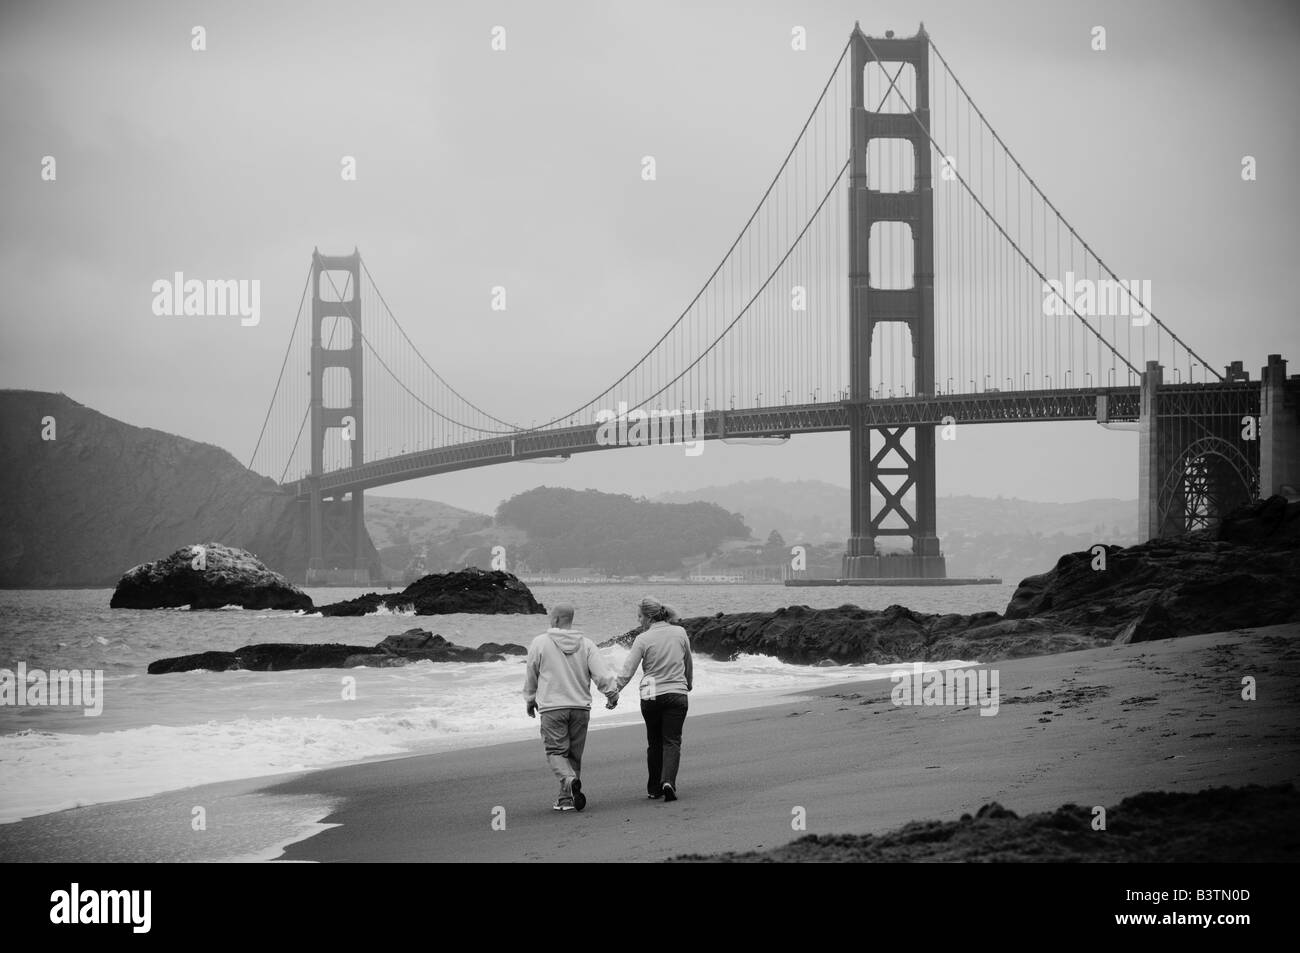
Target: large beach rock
{"x": 414, "y": 645}
{"x": 853, "y": 635}
{"x": 1244, "y": 573}
{"x": 207, "y": 576}
{"x": 468, "y": 590}
{"x": 625, "y": 640}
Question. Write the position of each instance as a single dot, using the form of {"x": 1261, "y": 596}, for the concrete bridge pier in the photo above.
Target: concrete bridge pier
{"x": 1200, "y": 449}
{"x": 339, "y": 548}
{"x": 315, "y": 536}
{"x": 1279, "y": 430}
{"x": 1151, "y": 463}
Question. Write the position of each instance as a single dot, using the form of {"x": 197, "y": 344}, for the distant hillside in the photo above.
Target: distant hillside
{"x": 422, "y": 536}
{"x": 979, "y": 514}
{"x": 402, "y": 521}
{"x": 104, "y": 496}
{"x": 547, "y": 530}
{"x": 808, "y": 510}
{"x": 614, "y": 533}
{"x": 981, "y": 537}
{"x": 815, "y": 511}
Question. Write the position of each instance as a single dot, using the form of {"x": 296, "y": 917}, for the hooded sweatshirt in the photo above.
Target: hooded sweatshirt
{"x": 561, "y": 665}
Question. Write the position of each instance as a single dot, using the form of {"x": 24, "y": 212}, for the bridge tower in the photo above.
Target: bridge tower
{"x": 870, "y": 306}
{"x": 336, "y": 532}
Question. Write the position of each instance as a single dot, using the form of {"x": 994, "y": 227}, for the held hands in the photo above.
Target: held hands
{"x": 532, "y": 709}
{"x": 611, "y": 700}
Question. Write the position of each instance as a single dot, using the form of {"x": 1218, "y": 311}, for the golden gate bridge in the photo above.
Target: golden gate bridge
{"x": 902, "y": 273}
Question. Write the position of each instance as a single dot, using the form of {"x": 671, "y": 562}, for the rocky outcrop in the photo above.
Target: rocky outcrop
{"x": 469, "y": 590}
{"x": 1249, "y": 824}
{"x": 414, "y": 645}
{"x": 852, "y": 635}
{"x": 509, "y": 648}
{"x": 1244, "y": 573}
{"x": 207, "y": 576}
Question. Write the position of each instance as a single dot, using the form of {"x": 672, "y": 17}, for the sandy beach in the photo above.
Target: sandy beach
{"x": 1087, "y": 727}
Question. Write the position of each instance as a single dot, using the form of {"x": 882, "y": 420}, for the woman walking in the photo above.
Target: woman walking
{"x": 663, "y": 651}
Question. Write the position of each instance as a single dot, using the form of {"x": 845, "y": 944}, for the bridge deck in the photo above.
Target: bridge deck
{"x": 986, "y": 408}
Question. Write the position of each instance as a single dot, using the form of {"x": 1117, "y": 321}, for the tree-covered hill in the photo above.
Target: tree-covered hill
{"x": 615, "y": 533}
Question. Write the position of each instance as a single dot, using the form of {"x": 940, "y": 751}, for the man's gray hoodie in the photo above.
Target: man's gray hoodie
{"x": 561, "y": 665}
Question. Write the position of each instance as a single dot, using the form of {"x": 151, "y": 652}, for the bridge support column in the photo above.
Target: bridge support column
{"x": 1279, "y": 431}
{"x": 860, "y": 558}
{"x": 360, "y": 565}
{"x": 315, "y": 536}
{"x": 1150, "y": 471}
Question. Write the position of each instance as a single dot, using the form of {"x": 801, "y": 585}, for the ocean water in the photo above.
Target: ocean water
{"x": 160, "y": 733}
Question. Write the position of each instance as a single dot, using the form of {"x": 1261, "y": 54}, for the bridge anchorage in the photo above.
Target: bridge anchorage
{"x": 902, "y": 275}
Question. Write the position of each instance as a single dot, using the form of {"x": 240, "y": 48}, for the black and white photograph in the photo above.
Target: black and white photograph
{"x": 614, "y": 432}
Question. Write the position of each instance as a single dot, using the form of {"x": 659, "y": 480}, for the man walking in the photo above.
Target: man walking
{"x": 562, "y": 663}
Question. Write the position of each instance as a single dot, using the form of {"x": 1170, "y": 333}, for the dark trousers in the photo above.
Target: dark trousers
{"x": 664, "y": 717}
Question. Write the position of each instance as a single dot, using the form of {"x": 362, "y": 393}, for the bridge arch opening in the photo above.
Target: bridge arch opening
{"x": 1210, "y": 478}
{"x": 336, "y": 333}
{"x": 891, "y": 165}
{"x": 336, "y": 388}
{"x": 890, "y": 254}
{"x": 893, "y": 364}
{"x": 878, "y": 93}
{"x": 335, "y": 285}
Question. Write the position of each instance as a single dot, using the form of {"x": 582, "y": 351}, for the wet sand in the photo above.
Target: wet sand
{"x": 1088, "y": 728}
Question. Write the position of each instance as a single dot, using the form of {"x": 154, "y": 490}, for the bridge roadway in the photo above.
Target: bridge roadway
{"x": 991, "y": 407}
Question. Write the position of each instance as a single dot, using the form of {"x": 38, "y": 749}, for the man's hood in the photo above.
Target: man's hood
{"x": 568, "y": 640}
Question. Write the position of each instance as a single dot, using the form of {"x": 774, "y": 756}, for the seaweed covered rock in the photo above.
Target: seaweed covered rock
{"x": 467, "y": 590}
{"x": 413, "y": 645}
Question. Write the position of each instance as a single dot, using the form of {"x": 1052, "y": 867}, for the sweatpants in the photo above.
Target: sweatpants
{"x": 564, "y": 732}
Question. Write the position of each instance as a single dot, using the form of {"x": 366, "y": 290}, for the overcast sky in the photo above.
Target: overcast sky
{"x": 522, "y": 169}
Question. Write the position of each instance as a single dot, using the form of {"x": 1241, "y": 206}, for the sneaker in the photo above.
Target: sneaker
{"x": 670, "y": 792}
{"x": 579, "y": 799}
{"x": 654, "y": 795}
{"x": 563, "y": 803}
